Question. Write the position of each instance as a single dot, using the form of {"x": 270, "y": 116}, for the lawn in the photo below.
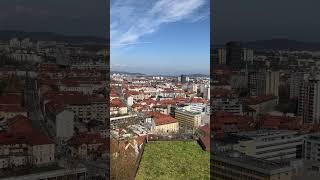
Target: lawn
{"x": 166, "y": 160}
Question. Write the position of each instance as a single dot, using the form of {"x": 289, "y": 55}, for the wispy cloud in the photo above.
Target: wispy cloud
{"x": 133, "y": 19}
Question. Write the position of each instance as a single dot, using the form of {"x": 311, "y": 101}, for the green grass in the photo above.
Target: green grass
{"x": 166, "y": 160}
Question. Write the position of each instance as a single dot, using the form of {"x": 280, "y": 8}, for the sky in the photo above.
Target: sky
{"x": 160, "y": 37}
{"x": 69, "y": 17}
{"x": 249, "y": 20}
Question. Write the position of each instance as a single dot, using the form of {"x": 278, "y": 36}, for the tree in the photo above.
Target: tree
{"x": 122, "y": 161}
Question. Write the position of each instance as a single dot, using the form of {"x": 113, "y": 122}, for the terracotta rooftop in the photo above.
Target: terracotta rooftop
{"x": 117, "y": 103}
{"x": 161, "y": 119}
{"x": 20, "y": 131}
{"x": 86, "y": 138}
{"x": 12, "y": 108}
{"x": 11, "y": 99}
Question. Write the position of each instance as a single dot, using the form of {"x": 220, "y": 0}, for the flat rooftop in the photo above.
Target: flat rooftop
{"x": 314, "y": 137}
{"x": 174, "y": 160}
{"x": 266, "y": 132}
{"x": 248, "y": 162}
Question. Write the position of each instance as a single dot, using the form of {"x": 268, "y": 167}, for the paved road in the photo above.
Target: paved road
{"x": 33, "y": 106}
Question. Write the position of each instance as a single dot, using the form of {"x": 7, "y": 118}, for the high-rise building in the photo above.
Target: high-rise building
{"x": 234, "y": 55}
{"x": 309, "y": 99}
{"x": 222, "y": 55}
{"x": 272, "y": 82}
{"x": 247, "y": 55}
{"x": 184, "y": 79}
{"x": 295, "y": 82}
{"x": 264, "y": 82}
{"x": 206, "y": 93}
{"x": 219, "y": 56}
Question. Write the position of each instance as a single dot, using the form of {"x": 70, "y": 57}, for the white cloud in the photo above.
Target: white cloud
{"x": 133, "y": 19}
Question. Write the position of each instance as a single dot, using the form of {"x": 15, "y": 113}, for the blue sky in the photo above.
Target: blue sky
{"x": 160, "y": 36}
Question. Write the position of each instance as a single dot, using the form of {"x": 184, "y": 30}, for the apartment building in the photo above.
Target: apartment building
{"x": 22, "y": 145}
{"x": 84, "y": 107}
{"x": 312, "y": 147}
{"x": 162, "y": 123}
{"x": 235, "y": 165}
{"x": 60, "y": 121}
{"x": 295, "y": 82}
{"x": 187, "y": 119}
{"x": 117, "y": 107}
{"x": 87, "y": 145}
{"x": 309, "y": 100}
{"x": 231, "y": 105}
{"x": 271, "y": 144}
{"x": 264, "y": 83}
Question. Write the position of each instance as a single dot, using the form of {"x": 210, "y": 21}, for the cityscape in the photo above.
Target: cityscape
{"x": 126, "y": 90}
{"x": 265, "y": 112}
{"x": 53, "y": 109}
{"x": 265, "y": 88}
{"x": 159, "y": 95}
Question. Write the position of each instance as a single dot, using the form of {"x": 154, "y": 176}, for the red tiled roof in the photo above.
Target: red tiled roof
{"x": 205, "y": 142}
{"x": 19, "y": 124}
{"x": 12, "y": 108}
{"x": 11, "y": 99}
{"x": 198, "y": 100}
{"x": 205, "y": 129}
{"x": 180, "y": 100}
{"x": 74, "y": 98}
{"x": 86, "y": 138}
{"x": 221, "y": 120}
{"x": 131, "y": 93}
{"x": 141, "y": 139}
{"x": 161, "y": 119}
{"x": 167, "y": 102}
{"x": 179, "y": 91}
{"x": 281, "y": 122}
{"x": 117, "y": 103}
{"x": 149, "y": 101}
{"x": 20, "y": 131}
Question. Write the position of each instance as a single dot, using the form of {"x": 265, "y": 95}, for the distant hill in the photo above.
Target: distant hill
{"x": 128, "y": 73}
{"x": 49, "y": 36}
{"x": 198, "y": 75}
{"x": 281, "y": 44}
{"x": 141, "y": 74}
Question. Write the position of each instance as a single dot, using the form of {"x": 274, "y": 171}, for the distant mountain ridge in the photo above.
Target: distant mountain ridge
{"x": 141, "y": 74}
{"x": 198, "y": 75}
{"x": 280, "y": 44}
{"x": 128, "y": 73}
{"x": 49, "y": 36}
{"x": 283, "y": 44}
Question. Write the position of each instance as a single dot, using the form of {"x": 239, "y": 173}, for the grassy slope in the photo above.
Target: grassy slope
{"x": 174, "y": 160}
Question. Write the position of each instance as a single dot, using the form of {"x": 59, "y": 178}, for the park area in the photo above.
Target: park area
{"x": 174, "y": 160}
